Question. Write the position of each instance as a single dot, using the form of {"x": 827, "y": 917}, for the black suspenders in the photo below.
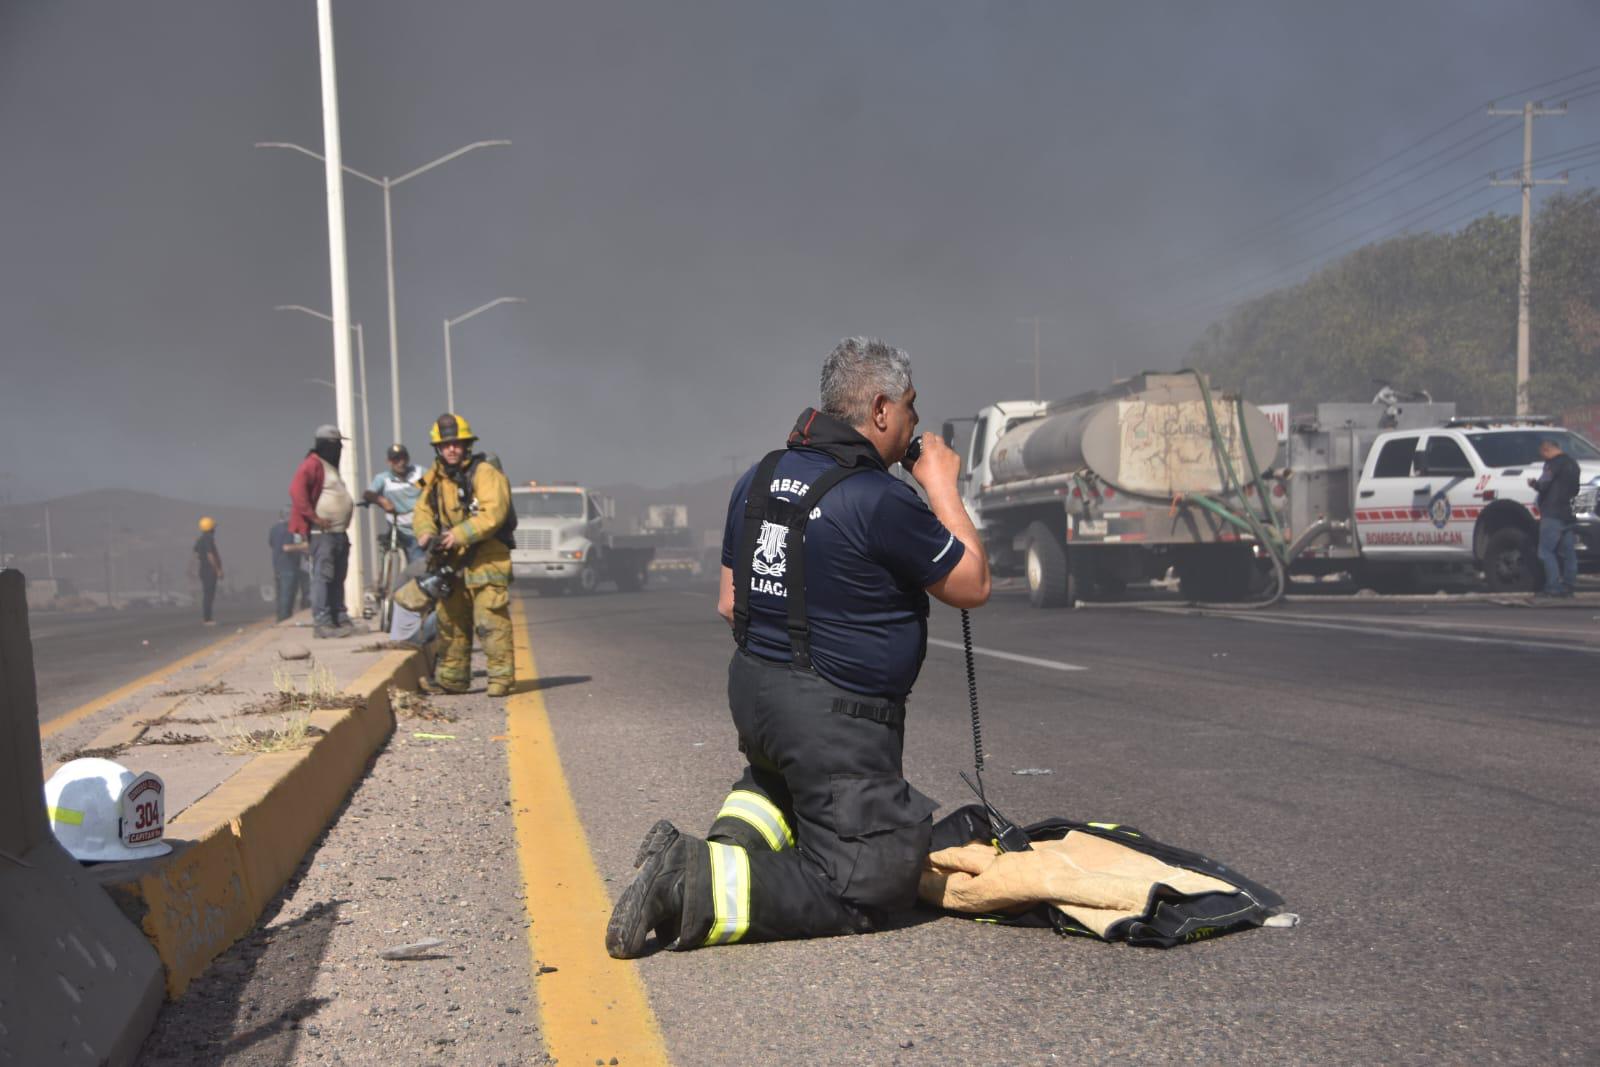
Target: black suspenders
{"x": 762, "y": 507}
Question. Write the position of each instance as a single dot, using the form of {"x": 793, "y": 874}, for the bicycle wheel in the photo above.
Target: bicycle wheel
{"x": 394, "y": 563}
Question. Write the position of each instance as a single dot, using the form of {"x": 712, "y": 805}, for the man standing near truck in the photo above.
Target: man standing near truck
{"x": 460, "y": 520}
{"x": 827, "y": 564}
{"x": 1557, "y": 484}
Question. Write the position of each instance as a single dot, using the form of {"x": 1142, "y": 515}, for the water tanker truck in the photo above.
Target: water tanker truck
{"x": 1084, "y": 495}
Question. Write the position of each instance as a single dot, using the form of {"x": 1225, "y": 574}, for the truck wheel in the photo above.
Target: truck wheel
{"x": 587, "y": 581}
{"x": 631, "y": 578}
{"x": 1509, "y": 562}
{"x": 1050, "y": 582}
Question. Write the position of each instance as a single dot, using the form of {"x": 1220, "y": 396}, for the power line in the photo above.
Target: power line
{"x": 1276, "y": 222}
{"x": 1452, "y": 124}
{"x": 1577, "y": 152}
{"x": 1238, "y": 293}
{"x": 1479, "y": 144}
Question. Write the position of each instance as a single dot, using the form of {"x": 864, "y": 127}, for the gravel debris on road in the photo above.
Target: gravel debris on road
{"x": 424, "y": 850}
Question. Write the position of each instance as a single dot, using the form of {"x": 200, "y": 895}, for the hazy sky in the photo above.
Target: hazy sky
{"x": 700, "y": 199}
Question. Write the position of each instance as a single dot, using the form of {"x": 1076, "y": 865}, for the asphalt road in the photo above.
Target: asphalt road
{"x": 1423, "y": 795}
{"x": 78, "y": 656}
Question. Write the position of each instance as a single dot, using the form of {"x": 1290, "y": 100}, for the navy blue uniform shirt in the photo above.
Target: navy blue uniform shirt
{"x": 870, "y": 553}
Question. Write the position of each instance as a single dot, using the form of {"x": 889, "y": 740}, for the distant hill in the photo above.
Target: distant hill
{"x": 151, "y": 539}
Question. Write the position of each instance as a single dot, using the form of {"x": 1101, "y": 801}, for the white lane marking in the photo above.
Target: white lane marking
{"x": 1376, "y": 631}
{"x": 1032, "y": 661}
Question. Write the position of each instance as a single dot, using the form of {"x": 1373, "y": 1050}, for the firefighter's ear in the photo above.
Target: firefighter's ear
{"x": 880, "y": 412}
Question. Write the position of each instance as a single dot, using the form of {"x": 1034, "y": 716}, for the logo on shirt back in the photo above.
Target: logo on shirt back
{"x": 771, "y": 558}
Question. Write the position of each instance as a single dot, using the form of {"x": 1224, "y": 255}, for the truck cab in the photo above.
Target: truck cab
{"x": 563, "y": 545}
{"x": 1459, "y": 494}
{"x": 558, "y": 527}
{"x": 990, "y": 424}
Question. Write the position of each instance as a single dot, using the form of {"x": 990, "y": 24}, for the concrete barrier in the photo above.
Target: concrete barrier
{"x": 78, "y": 982}
{"x": 237, "y": 846}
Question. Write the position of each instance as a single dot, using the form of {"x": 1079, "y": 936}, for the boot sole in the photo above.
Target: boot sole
{"x": 657, "y": 839}
{"x": 627, "y": 931}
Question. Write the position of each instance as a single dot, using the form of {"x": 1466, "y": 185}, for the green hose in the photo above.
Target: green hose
{"x": 1269, "y": 536}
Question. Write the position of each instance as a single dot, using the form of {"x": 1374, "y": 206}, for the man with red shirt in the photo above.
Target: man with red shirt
{"x": 320, "y": 510}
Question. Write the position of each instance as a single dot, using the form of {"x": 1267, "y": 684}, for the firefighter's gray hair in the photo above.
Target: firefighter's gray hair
{"x": 858, "y": 370}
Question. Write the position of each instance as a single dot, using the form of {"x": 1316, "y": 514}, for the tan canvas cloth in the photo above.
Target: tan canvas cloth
{"x": 1096, "y": 881}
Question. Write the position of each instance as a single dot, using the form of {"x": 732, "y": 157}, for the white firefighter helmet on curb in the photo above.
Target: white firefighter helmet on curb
{"x": 99, "y": 810}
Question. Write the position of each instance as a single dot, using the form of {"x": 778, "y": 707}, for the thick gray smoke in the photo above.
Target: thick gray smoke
{"x": 701, "y": 199}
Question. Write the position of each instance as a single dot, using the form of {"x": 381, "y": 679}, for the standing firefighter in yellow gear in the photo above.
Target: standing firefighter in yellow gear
{"x": 464, "y": 520}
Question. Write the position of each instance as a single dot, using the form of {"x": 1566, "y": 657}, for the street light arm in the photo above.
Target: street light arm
{"x": 314, "y": 155}
{"x": 445, "y": 159}
{"x": 485, "y": 307}
{"x": 323, "y": 315}
{"x": 355, "y": 327}
{"x": 330, "y": 385}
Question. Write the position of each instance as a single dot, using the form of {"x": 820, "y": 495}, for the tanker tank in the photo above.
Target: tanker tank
{"x": 1152, "y": 439}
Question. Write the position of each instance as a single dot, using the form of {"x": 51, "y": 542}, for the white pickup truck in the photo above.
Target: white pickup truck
{"x": 1451, "y": 496}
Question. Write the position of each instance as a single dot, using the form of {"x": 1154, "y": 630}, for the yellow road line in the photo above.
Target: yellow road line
{"x": 592, "y": 1007}
{"x": 98, "y": 704}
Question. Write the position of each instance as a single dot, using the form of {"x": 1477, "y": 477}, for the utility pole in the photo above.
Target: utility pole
{"x": 1037, "y": 396}
{"x": 343, "y": 376}
{"x": 49, "y": 545}
{"x": 1529, "y": 111}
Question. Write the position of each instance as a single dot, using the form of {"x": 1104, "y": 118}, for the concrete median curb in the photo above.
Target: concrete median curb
{"x": 236, "y": 847}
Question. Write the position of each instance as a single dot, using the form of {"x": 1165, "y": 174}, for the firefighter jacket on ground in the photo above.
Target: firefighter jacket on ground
{"x": 473, "y": 504}
{"x": 1097, "y": 879}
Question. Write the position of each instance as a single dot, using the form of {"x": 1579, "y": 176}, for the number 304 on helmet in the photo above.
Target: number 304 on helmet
{"x": 100, "y": 810}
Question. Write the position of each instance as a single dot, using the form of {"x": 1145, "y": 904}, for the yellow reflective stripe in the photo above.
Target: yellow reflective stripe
{"x": 66, "y": 815}
{"x": 730, "y": 893}
{"x": 761, "y": 813}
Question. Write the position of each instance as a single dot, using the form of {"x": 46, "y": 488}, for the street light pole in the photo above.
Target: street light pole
{"x": 387, "y": 185}
{"x": 449, "y": 368}
{"x": 339, "y": 279}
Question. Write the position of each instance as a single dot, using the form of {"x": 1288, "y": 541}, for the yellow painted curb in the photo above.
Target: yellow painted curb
{"x": 246, "y": 837}
{"x": 592, "y": 1008}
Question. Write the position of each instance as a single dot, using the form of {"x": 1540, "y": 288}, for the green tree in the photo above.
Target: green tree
{"x": 1434, "y": 311}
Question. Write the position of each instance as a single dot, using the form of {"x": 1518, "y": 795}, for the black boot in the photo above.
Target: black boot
{"x": 658, "y": 838}
{"x": 654, "y": 901}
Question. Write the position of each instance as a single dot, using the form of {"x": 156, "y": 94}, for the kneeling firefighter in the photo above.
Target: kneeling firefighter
{"x": 464, "y": 520}
{"x": 827, "y": 563}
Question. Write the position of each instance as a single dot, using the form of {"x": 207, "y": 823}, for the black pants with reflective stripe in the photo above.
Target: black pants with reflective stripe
{"x": 833, "y": 781}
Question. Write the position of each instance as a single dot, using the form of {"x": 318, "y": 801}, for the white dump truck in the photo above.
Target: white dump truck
{"x": 563, "y": 546}
{"x": 1083, "y": 495}
{"x": 1401, "y": 493}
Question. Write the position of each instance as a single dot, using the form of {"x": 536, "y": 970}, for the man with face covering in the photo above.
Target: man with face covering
{"x": 320, "y": 510}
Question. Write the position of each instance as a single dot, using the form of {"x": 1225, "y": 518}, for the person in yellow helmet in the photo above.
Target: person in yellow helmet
{"x": 463, "y": 519}
{"x": 209, "y": 564}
